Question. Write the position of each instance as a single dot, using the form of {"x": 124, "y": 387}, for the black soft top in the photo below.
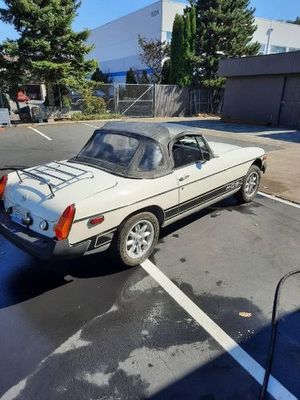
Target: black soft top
{"x": 161, "y": 132}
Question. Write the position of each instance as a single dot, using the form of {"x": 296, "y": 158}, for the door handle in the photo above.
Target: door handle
{"x": 183, "y": 178}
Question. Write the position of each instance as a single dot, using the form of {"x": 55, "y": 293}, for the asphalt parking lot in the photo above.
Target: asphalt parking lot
{"x": 88, "y": 329}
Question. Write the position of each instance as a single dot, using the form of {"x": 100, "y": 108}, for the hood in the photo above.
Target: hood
{"x": 69, "y": 182}
{"x": 221, "y": 148}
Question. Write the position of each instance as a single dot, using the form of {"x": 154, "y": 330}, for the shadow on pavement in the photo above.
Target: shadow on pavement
{"x": 212, "y": 378}
{"x": 154, "y": 351}
{"x": 23, "y": 277}
{"x": 226, "y": 126}
{"x": 293, "y": 137}
{"x": 220, "y": 379}
{"x": 283, "y": 134}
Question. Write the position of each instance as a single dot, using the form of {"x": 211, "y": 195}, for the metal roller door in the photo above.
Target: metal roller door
{"x": 290, "y": 106}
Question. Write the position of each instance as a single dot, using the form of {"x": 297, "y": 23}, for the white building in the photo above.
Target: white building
{"x": 116, "y": 43}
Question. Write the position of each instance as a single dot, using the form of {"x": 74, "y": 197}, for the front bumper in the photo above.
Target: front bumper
{"x": 264, "y": 167}
{"x": 36, "y": 244}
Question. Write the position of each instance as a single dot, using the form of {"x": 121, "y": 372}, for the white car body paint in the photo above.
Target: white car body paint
{"x": 97, "y": 192}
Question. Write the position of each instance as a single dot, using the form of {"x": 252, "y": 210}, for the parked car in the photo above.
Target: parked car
{"x": 127, "y": 182}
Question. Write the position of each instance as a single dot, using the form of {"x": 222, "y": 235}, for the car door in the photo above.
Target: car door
{"x": 201, "y": 177}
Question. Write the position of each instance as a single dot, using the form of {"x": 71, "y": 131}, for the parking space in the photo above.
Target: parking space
{"x": 89, "y": 329}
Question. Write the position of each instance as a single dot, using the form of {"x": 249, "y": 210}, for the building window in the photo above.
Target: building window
{"x": 169, "y": 36}
{"x": 293, "y": 49}
{"x": 278, "y": 49}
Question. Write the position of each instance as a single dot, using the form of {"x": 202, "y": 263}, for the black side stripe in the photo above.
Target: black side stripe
{"x": 162, "y": 193}
{"x": 203, "y": 198}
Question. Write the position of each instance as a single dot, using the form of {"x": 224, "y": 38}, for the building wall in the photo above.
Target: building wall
{"x": 116, "y": 43}
{"x": 169, "y": 9}
{"x": 276, "y": 37}
{"x": 255, "y": 98}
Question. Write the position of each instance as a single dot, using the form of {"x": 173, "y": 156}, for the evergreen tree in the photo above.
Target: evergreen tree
{"x": 193, "y": 28}
{"x": 144, "y": 79}
{"x": 177, "y": 50}
{"x": 295, "y": 21}
{"x": 165, "y": 80}
{"x": 130, "y": 77}
{"x": 47, "y": 48}
{"x": 99, "y": 76}
{"x": 183, "y": 48}
{"x": 224, "y": 29}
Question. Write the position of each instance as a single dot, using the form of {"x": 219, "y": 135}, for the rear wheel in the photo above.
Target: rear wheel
{"x": 250, "y": 185}
{"x": 136, "y": 239}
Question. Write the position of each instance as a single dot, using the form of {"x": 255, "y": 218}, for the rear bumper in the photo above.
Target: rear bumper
{"x": 38, "y": 245}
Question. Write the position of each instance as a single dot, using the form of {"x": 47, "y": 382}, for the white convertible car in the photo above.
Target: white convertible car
{"x": 129, "y": 180}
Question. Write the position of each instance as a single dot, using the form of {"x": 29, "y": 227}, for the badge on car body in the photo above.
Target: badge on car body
{"x": 24, "y": 197}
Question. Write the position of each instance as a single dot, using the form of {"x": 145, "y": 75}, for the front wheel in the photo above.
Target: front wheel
{"x": 136, "y": 239}
{"x": 250, "y": 185}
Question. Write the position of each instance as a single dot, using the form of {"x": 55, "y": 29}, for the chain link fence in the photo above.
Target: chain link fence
{"x": 129, "y": 100}
{"x": 141, "y": 100}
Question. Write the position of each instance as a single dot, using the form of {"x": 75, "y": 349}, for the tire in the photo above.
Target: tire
{"x": 250, "y": 185}
{"x": 137, "y": 252}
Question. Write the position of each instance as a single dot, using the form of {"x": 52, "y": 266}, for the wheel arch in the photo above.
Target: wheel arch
{"x": 258, "y": 162}
{"x": 154, "y": 209}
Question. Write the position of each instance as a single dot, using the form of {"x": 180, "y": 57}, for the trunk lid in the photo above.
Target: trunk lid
{"x": 69, "y": 183}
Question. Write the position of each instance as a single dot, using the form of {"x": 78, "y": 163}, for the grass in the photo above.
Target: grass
{"x": 78, "y": 116}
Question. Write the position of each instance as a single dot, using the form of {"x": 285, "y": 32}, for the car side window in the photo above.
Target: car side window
{"x": 186, "y": 151}
{"x": 152, "y": 158}
{"x": 204, "y": 149}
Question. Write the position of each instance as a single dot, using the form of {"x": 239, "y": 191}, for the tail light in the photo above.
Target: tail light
{"x": 3, "y": 182}
{"x": 62, "y": 228}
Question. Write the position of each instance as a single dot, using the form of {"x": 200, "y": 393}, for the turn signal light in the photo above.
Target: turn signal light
{"x": 98, "y": 219}
{"x": 62, "y": 228}
{"x": 3, "y": 182}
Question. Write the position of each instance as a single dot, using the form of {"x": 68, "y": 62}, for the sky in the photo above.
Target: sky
{"x": 93, "y": 13}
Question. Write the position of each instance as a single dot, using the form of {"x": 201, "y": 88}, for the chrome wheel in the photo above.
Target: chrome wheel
{"x": 251, "y": 184}
{"x": 139, "y": 239}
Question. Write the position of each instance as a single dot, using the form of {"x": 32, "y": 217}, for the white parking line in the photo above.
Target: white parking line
{"x": 92, "y": 126}
{"x": 275, "y": 388}
{"x": 40, "y": 133}
{"x": 270, "y": 196}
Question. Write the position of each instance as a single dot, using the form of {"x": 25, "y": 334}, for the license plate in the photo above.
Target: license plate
{"x": 18, "y": 215}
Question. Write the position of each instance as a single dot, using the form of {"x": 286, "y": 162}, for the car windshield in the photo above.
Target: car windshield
{"x": 111, "y": 147}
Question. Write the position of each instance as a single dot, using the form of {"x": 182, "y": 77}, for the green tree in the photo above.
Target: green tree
{"x": 193, "y": 28}
{"x": 130, "y": 76}
{"x": 183, "y": 48}
{"x": 225, "y": 28}
{"x": 295, "y": 21}
{"x": 99, "y": 76}
{"x": 47, "y": 48}
{"x": 144, "y": 79}
{"x": 165, "y": 74}
{"x": 177, "y": 50}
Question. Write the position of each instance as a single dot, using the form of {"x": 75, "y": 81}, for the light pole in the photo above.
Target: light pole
{"x": 269, "y": 31}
